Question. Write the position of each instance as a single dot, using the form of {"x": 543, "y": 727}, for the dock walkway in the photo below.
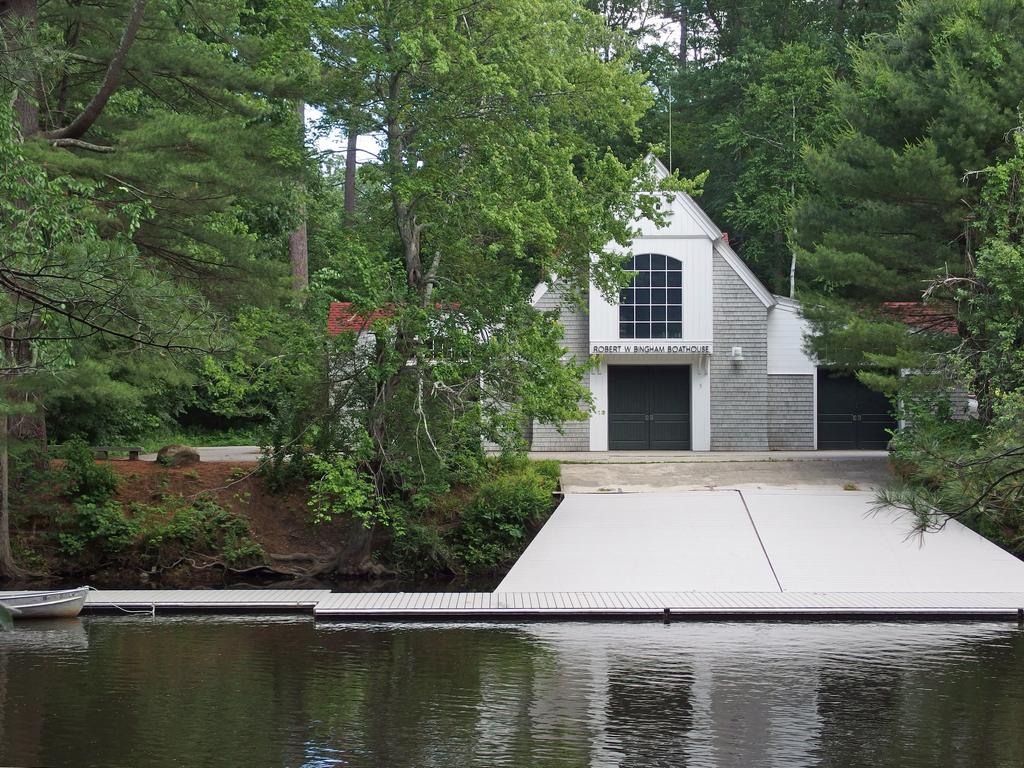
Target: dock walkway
{"x": 500, "y": 606}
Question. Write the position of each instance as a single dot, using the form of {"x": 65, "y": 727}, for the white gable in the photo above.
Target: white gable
{"x": 685, "y": 217}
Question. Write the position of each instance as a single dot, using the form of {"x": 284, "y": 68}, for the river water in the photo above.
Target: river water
{"x": 141, "y": 691}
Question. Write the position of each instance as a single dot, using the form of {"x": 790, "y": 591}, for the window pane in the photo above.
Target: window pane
{"x": 643, "y": 313}
{"x": 625, "y": 313}
{"x": 625, "y": 330}
{"x": 675, "y": 296}
{"x": 658, "y": 296}
{"x": 643, "y": 331}
{"x": 642, "y": 296}
{"x": 643, "y": 261}
{"x": 675, "y": 330}
{"x": 675, "y": 279}
{"x": 630, "y": 265}
{"x": 657, "y": 261}
{"x": 642, "y": 280}
{"x": 657, "y": 330}
{"x": 657, "y": 313}
{"x": 675, "y": 313}
{"x": 658, "y": 279}
{"x": 626, "y": 296}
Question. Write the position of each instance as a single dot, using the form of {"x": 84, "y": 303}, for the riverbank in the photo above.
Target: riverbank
{"x": 141, "y": 524}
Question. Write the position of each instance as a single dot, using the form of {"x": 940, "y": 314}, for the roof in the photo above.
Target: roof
{"x": 687, "y": 203}
{"x": 717, "y": 236}
{"x": 723, "y": 249}
{"x": 936, "y": 316}
{"x": 341, "y": 318}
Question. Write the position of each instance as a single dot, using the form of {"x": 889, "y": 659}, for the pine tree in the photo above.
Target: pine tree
{"x": 753, "y": 93}
{"x": 894, "y": 193}
{"x": 185, "y": 106}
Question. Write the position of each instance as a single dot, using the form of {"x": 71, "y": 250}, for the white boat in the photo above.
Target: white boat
{"x": 53, "y": 604}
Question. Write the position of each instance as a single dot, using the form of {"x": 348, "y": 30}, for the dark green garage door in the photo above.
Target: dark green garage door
{"x": 851, "y": 416}
{"x": 649, "y": 407}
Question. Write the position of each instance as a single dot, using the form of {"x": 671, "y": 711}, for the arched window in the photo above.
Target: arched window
{"x": 652, "y": 306}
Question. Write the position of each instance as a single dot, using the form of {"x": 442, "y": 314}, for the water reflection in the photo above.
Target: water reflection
{"x": 282, "y": 692}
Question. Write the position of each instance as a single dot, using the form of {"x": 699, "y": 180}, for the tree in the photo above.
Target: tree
{"x": 69, "y": 272}
{"x": 785, "y": 106}
{"x": 754, "y": 91}
{"x": 193, "y": 114}
{"x": 189, "y": 107}
{"x": 893, "y": 200}
{"x": 973, "y": 471}
{"x": 489, "y": 180}
{"x": 917, "y": 198}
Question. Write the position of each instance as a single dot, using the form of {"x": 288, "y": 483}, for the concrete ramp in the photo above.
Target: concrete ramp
{"x": 806, "y": 541}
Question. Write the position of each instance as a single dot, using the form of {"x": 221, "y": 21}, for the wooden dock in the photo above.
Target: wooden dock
{"x": 503, "y": 606}
{"x": 153, "y": 601}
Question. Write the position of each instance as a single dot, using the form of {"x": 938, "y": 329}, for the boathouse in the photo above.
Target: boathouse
{"x": 697, "y": 354}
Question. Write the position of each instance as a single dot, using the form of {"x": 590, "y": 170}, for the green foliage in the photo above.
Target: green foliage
{"x": 494, "y": 174}
{"x": 199, "y": 527}
{"x": 84, "y": 479}
{"x": 973, "y": 471}
{"x": 495, "y": 526}
{"x": 161, "y": 535}
{"x": 102, "y": 525}
{"x": 895, "y": 192}
{"x": 966, "y": 471}
{"x": 751, "y": 93}
{"x": 339, "y": 490}
{"x": 26, "y": 556}
{"x": 992, "y": 301}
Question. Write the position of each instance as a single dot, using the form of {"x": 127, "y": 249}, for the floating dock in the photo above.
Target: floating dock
{"x": 504, "y": 606}
{"x": 742, "y": 554}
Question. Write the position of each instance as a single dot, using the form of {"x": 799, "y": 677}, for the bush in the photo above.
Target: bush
{"x": 202, "y": 527}
{"x": 496, "y": 524}
{"x": 84, "y": 479}
{"x": 104, "y": 525}
{"x": 342, "y": 490}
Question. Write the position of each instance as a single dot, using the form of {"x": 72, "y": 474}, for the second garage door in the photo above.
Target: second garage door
{"x": 851, "y": 416}
{"x": 649, "y": 408}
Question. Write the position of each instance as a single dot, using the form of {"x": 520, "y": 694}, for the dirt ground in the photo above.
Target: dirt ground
{"x": 280, "y": 521}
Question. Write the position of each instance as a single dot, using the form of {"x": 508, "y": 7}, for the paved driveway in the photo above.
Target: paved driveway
{"x": 856, "y": 472}
{"x": 225, "y": 453}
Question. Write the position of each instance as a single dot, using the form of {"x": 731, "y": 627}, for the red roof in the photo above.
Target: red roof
{"x": 342, "y": 318}
{"x": 938, "y": 317}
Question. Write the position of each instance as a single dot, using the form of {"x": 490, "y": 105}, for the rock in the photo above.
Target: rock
{"x": 177, "y": 456}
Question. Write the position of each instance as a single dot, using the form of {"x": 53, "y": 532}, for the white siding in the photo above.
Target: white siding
{"x": 786, "y": 330}
{"x": 695, "y": 254}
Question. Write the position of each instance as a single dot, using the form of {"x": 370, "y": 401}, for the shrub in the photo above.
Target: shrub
{"x": 202, "y": 527}
{"x": 104, "y": 525}
{"x": 341, "y": 489}
{"x": 495, "y": 525}
{"x": 84, "y": 479}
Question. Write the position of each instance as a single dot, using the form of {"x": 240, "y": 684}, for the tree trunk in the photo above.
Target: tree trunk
{"x": 19, "y": 20}
{"x": 684, "y": 34}
{"x": 350, "y": 173}
{"x": 8, "y": 569}
{"x": 298, "y": 242}
{"x": 298, "y": 248}
{"x": 77, "y": 128}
